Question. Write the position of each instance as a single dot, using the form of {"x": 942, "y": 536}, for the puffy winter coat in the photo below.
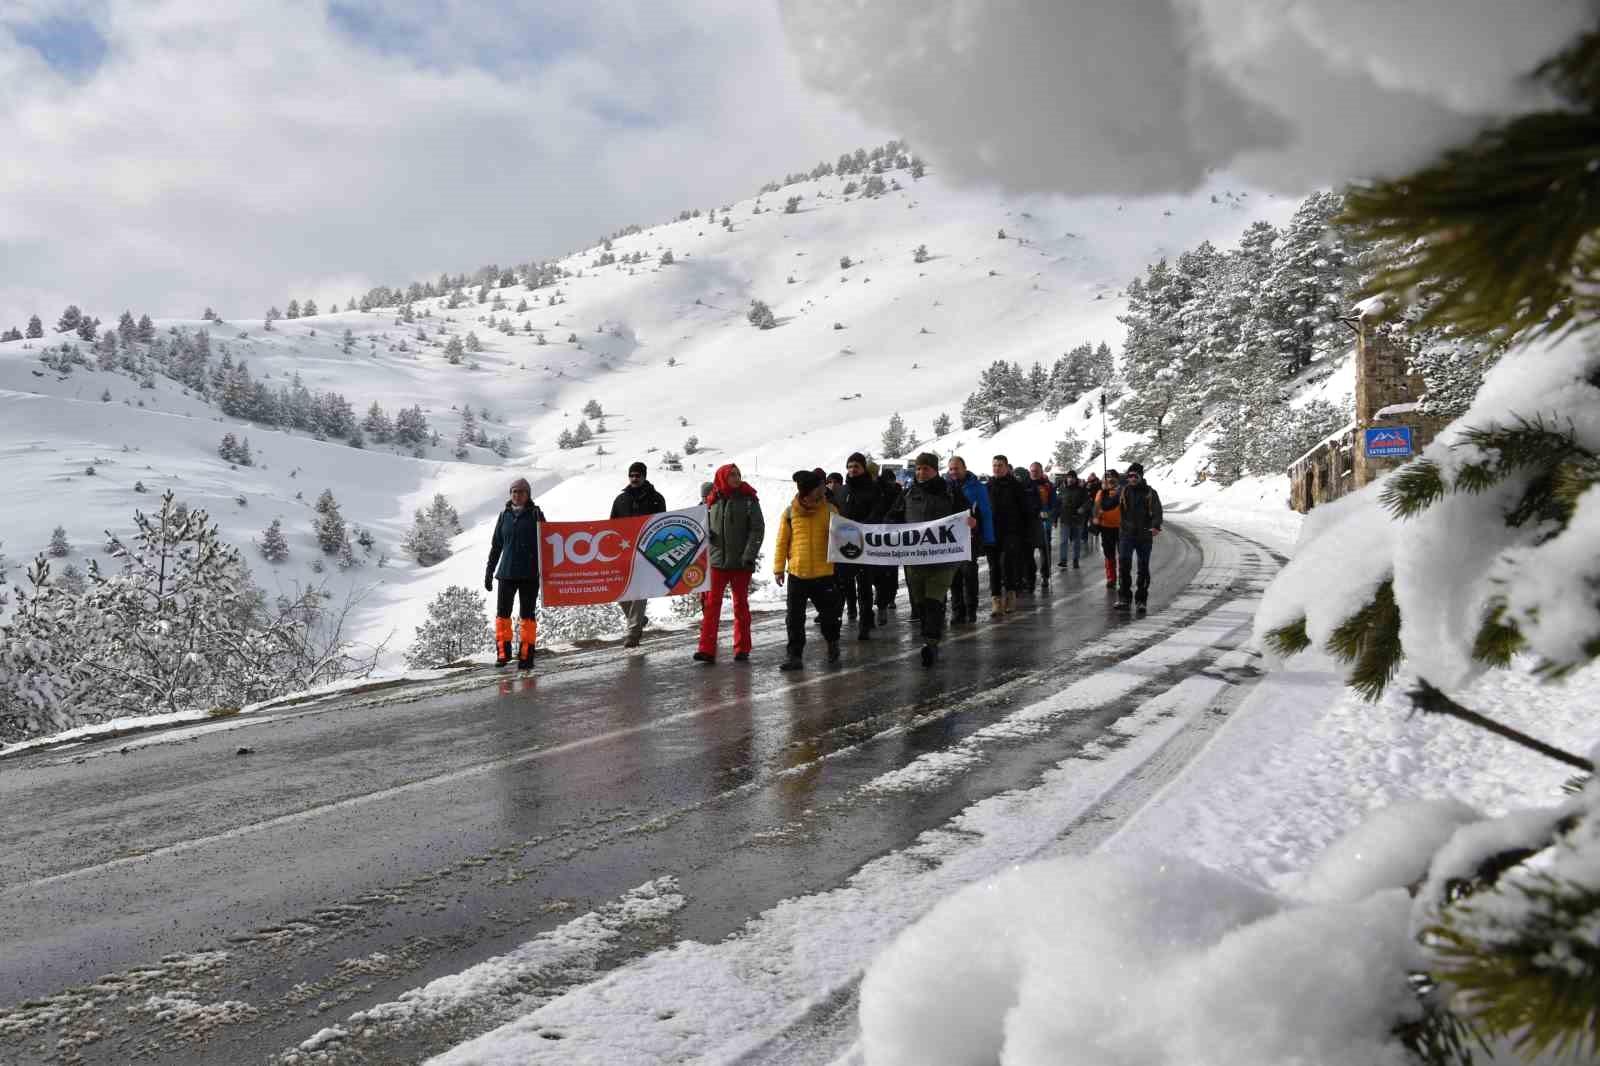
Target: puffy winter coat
{"x": 803, "y": 541}
{"x": 1141, "y": 510}
{"x": 1075, "y": 504}
{"x": 737, "y": 530}
{"x": 971, "y": 490}
{"x": 862, "y": 499}
{"x": 632, "y": 502}
{"x": 516, "y": 545}
{"x": 1108, "y": 508}
{"x": 1042, "y": 492}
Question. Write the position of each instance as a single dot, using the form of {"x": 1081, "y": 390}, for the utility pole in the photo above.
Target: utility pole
{"x": 1105, "y": 460}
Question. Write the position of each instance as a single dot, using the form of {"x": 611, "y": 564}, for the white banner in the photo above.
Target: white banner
{"x": 946, "y": 541}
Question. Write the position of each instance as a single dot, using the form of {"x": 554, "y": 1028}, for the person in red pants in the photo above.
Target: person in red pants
{"x": 737, "y": 530}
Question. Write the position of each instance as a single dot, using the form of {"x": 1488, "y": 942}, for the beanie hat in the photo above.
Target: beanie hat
{"x": 806, "y": 481}
{"x": 928, "y": 459}
{"x": 522, "y": 483}
{"x": 835, "y": 476}
{"x": 856, "y": 457}
{"x": 1136, "y": 468}
{"x": 636, "y": 468}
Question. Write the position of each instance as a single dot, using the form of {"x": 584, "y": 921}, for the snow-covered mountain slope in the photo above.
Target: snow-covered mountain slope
{"x": 665, "y": 349}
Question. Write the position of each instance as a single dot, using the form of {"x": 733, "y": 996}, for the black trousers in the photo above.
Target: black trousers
{"x": 964, "y": 587}
{"x": 527, "y": 591}
{"x": 1006, "y": 559}
{"x": 1108, "y": 542}
{"x": 821, "y": 591}
{"x": 856, "y": 586}
{"x": 885, "y": 580}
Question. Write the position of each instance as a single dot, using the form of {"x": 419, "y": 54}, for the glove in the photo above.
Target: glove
{"x": 488, "y": 582}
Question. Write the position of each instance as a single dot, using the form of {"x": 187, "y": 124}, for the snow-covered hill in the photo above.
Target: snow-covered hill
{"x": 666, "y": 350}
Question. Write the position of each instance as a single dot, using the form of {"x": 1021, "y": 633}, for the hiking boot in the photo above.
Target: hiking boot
{"x": 999, "y": 608}
{"x": 525, "y": 660}
{"x": 704, "y": 657}
{"x": 1062, "y": 565}
{"x": 1010, "y": 602}
{"x": 930, "y": 653}
{"x": 502, "y": 654}
{"x": 883, "y": 616}
{"x": 741, "y": 656}
{"x": 833, "y": 651}
{"x": 791, "y": 663}
{"x": 1123, "y": 602}
{"x": 1075, "y": 564}
{"x": 1111, "y": 582}
{"x": 632, "y": 639}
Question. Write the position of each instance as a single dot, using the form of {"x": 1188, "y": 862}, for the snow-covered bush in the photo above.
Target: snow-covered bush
{"x": 895, "y": 441}
{"x": 587, "y": 622}
{"x": 920, "y": 255}
{"x": 1068, "y": 450}
{"x": 691, "y": 446}
{"x": 457, "y": 626}
{"x": 761, "y": 316}
{"x": 328, "y": 523}
{"x": 59, "y": 546}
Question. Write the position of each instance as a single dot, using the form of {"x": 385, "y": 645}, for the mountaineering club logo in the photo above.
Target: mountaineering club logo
{"x": 848, "y": 537}
{"x": 671, "y": 544}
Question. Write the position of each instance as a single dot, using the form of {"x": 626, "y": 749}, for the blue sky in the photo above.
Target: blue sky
{"x": 72, "y": 45}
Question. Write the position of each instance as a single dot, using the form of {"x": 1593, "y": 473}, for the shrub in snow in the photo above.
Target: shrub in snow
{"x": 845, "y": 262}
{"x": 583, "y": 434}
{"x": 592, "y": 409}
{"x": 72, "y": 581}
{"x": 58, "y": 542}
{"x": 672, "y": 461}
{"x": 272, "y": 545}
{"x": 454, "y": 351}
{"x": 941, "y": 425}
{"x": 792, "y": 205}
{"x": 920, "y": 255}
{"x": 457, "y": 626}
{"x": 473, "y": 343}
{"x": 666, "y": 258}
{"x": 691, "y": 446}
{"x": 138, "y": 486}
{"x": 428, "y": 540}
{"x": 760, "y": 315}
{"x": 588, "y": 622}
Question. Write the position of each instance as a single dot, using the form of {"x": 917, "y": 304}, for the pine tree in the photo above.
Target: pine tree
{"x": 1068, "y": 451}
{"x": 229, "y": 448}
{"x": 761, "y": 316}
{"x": 592, "y": 409}
{"x": 70, "y": 319}
{"x": 59, "y": 545}
{"x": 35, "y": 328}
{"x": 349, "y": 341}
{"x": 895, "y": 440}
{"x": 377, "y": 424}
{"x": 147, "y": 329}
{"x": 309, "y": 308}
{"x": 583, "y": 434}
{"x": 691, "y": 445}
{"x": 457, "y": 626}
{"x": 941, "y": 425}
{"x": 293, "y": 310}
{"x": 454, "y": 351}
{"x": 473, "y": 343}
{"x": 920, "y": 255}
{"x": 273, "y": 546}
{"x": 328, "y": 523}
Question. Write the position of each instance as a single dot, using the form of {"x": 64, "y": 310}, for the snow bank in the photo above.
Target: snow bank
{"x": 1137, "y": 960}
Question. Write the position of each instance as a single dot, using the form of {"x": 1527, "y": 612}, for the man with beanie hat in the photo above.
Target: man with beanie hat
{"x": 861, "y": 501}
{"x": 1141, "y": 524}
{"x": 514, "y": 560}
{"x": 928, "y": 499}
{"x": 801, "y": 559}
{"x": 638, "y": 498}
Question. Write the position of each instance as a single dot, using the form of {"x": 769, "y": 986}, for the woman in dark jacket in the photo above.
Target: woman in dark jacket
{"x": 733, "y": 519}
{"x": 514, "y": 560}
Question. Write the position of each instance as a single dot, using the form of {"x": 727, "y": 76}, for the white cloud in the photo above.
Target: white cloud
{"x": 237, "y": 154}
{"x": 1084, "y": 96}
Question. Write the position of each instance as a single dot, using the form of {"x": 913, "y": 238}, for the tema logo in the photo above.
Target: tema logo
{"x": 671, "y": 543}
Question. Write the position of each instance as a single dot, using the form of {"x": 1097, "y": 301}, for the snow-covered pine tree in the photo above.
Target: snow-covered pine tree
{"x": 328, "y": 523}
{"x": 691, "y": 445}
{"x": 38, "y": 688}
{"x": 228, "y": 448}
{"x": 565, "y": 440}
{"x": 377, "y": 424}
{"x": 457, "y": 626}
{"x": 583, "y": 434}
{"x": 59, "y": 545}
{"x": 70, "y": 319}
{"x": 894, "y": 436}
{"x": 349, "y": 340}
{"x": 941, "y": 424}
{"x": 920, "y": 254}
{"x": 273, "y": 546}
{"x": 35, "y": 328}
{"x": 454, "y": 351}
{"x": 592, "y": 409}
{"x": 410, "y": 425}
{"x": 293, "y": 310}
{"x": 308, "y": 309}
{"x": 473, "y": 343}
{"x": 1488, "y": 554}
{"x": 428, "y": 539}
{"x": 1068, "y": 451}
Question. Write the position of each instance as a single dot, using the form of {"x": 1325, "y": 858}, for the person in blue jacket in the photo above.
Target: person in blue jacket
{"x": 975, "y": 498}
{"x": 514, "y": 561}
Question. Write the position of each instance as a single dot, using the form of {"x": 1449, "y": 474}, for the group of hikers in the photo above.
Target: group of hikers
{"x": 1012, "y": 515}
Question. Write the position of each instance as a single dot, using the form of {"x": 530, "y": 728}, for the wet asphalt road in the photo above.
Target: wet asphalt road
{"x": 364, "y": 847}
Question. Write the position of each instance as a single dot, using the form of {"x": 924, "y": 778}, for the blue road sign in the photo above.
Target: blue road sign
{"x": 1388, "y": 442}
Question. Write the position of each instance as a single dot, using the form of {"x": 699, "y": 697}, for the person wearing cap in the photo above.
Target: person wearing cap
{"x": 1108, "y": 520}
{"x": 736, "y": 529}
{"x": 637, "y": 498}
{"x": 514, "y": 562}
{"x": 860, "y": 501}
{"x": 928, "y": 499}
{"x": 801, "y": 560}
{"x": 1076, "y": 502}
{"x": 1141, "y": 524}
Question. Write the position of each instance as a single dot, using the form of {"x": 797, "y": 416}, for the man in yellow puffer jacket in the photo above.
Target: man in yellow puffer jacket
{"x": 802, "y": 557}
